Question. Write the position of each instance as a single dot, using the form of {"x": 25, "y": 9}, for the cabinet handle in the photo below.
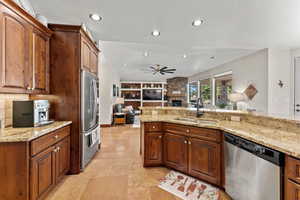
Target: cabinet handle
{"x": 185, "y": 142}
{"x": 153, "y": 127}
{"x": 55, "y": 137}
{"x": 160, "y": 137}
{"x": 188, "y": 130}
{"x": 55, "y": 150}
{"x": 58, "y": 149}
{"x": 190, "y": 142}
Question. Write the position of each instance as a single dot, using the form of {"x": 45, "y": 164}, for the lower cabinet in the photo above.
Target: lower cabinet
{"x": 205, "y": 160}
{"x": 42, "y": 173}
{"x": 48, "y": 168}
{"x": 191, "y": 150}
{"x": 292, "y": 178}
{"x": 175, "y": 152}
{"x": 153, "y": 150}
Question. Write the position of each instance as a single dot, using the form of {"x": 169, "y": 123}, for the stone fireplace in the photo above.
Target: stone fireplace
{"x": 177, "y": 91}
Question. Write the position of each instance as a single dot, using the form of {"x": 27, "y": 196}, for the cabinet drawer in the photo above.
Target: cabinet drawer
{"x": 176, "y": 129}
{"x": 45, "y": 141}
{"x": 293, "y": 169}
{"x": 152, "y": 126}
{"x": 206, "y": 134}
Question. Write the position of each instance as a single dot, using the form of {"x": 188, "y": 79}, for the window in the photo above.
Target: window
{"x": 223, "y": 87}
{"x": 205, "y": 92}
{"x": 193, "y": 92}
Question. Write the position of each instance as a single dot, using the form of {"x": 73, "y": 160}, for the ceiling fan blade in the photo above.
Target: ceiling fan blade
{"x": 163, "y": 68}
{"x": 169, "y": 70}
{"x": 153, "y": 68}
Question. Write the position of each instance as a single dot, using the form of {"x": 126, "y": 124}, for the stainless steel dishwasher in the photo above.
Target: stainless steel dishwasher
{"x": 252, "y": 171}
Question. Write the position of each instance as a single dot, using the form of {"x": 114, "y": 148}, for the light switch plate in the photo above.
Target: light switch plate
{"x": 235, "y": 118}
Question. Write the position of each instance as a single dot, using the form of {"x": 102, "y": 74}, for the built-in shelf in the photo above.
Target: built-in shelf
{"x": 137, "y": 89}
{"x": 132, "y": 99}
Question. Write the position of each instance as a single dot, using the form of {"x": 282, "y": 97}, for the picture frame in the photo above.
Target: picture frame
{"x": 114, "y": 90}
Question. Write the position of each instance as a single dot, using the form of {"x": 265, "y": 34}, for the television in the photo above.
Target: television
{"x": 152, "y": 94}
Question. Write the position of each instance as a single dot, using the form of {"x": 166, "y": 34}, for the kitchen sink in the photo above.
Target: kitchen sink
{"x": 196, "y": 121}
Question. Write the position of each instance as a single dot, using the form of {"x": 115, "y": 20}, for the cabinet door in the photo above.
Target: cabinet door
{"x": 85, "y": 55}
{"x": 62, "y": 158}
{"x": 40, "y": 63}
{"x": 14, "y": 53}
{"x": 205, "y": 160}
{"x": 42, "y": 173}
{"x": 175, "y": 151}
{"x": 153, "y": 149}
{"x": 93, "y": 62}
{"x": 292, "y": 190}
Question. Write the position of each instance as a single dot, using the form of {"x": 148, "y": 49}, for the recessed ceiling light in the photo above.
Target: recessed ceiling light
{"x": 155, "y": 33}
{"x": 184, "y": 55}
{"x": 197, "y": 22}
{"x": 146, "y": 54}
{"x": 212, "y": 57}
{"x": 125, "y": 65}
{"x": 95, "y": 17}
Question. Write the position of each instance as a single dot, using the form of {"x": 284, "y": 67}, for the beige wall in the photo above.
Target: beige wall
{"x": 6, "y": 107}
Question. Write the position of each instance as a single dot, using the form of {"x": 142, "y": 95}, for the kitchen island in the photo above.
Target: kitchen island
{"x": 175, "y": 138}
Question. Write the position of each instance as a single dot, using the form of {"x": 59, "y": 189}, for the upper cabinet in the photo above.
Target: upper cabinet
{"x": 89, "y": 55}
{"x": 24, "y": 52}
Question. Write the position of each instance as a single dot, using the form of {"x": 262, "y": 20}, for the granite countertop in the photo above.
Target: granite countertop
{"x": 283, "y": 141}
{"x": 27, "y": 134}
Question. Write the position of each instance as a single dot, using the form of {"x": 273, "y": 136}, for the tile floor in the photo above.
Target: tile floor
{"x": 116, "y": 173}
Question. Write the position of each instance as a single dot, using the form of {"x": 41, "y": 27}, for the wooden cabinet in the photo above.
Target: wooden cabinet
{"x": 40, "y": 63}
{"x": 94, "y": 62}
{"x": 175, "y": 152}
{"x": 42, "y": 173}
{"x": 292, "y": 178}
{"x": 153, "y": 151}
{"x": 292, "y": 190}
{"x": 89, "y": 56}
{"x": 29, "y": 170}
{"x": 205, "y": 160}
{"x": 192, "y": 150}
{"x": 62, "y": 159}
{"x": 14, "y": 51}
{"x": 24, "y": 51}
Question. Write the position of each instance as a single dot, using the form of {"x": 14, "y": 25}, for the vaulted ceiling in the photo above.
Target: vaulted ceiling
{"x": 231, "y": 28}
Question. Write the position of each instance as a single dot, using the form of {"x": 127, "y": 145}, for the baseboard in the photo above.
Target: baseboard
{"x": 105, "y": 125}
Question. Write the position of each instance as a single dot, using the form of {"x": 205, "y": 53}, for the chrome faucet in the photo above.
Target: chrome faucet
{"x": 199, "y": 105}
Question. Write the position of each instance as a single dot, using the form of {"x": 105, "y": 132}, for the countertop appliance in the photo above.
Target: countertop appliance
{"x": 90, "y": 131}
{"x": 31, "y": 113}
{"x": 252, "y": 171}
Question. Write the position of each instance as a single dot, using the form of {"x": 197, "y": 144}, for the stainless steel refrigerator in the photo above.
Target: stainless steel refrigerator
{"x": 90, "y": 132}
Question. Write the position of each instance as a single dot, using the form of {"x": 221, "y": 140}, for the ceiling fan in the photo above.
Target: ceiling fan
{"x": 161, "y": 69}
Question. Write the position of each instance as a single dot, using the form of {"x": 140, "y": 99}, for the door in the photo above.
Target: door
{"x": 14, "y": 52}
{"x": 89, "y": 101}
{"x": 62, "y": 158}
{"x": 153, "y": 148}
{"x": 297, "y": 88}
{"x": 42, "y": 173}
{"x": 205, "y": 160}
{"x": 175, "y": 151}
{"x": 40, "y": 62}
{"x": 93, "y": 62}
{"x": 85, "y": 54}
{"x": 292, "y": 190}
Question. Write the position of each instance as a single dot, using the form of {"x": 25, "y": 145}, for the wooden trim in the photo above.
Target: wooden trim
{"x": 105, "y": 125}
{"x": 73, "y": 28}
{"x": 22, "y": 13}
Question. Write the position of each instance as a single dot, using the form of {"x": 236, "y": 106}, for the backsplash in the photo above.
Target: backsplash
{"x": 6, "y": 107}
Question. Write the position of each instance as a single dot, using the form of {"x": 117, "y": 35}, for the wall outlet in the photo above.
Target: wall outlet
{"x": 235, "y": 118}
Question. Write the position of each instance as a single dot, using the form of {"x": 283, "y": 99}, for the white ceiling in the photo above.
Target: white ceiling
{"x": 232, "y": 28}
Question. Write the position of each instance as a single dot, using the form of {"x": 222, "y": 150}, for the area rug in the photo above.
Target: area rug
{"x": 188, "y": 188}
